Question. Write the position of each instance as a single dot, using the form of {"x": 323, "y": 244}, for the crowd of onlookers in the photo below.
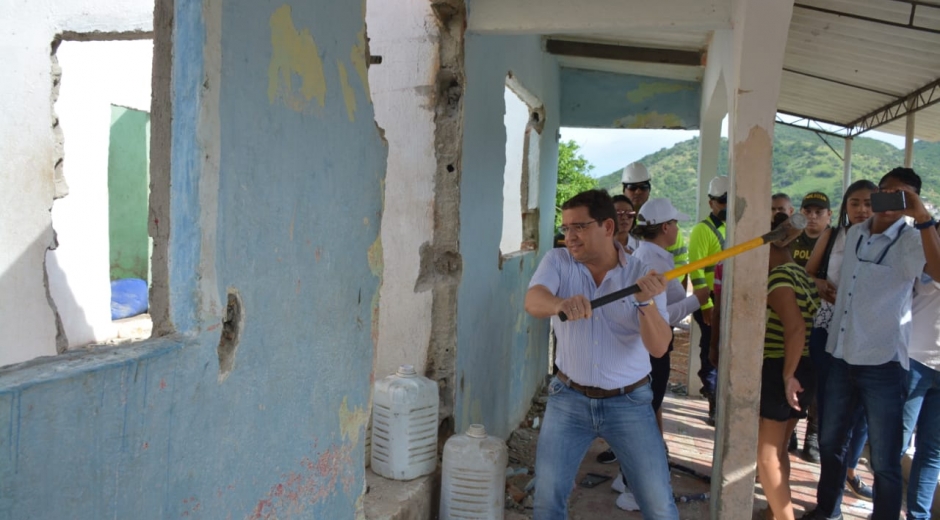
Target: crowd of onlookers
{"x": 852, "y": 342}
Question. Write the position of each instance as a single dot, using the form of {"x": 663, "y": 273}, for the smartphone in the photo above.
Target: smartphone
{"x": 882, "y": 201}
{"x": 593, "y": 479}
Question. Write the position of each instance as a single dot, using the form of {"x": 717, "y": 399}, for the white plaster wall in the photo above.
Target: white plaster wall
{"x": 515, "y": 119}
{"x": 95, "y": 75}
{"x": 404, "y": 33}
{"x": 27, "y": 324}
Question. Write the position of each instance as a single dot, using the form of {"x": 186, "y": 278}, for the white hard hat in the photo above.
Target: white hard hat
{"x": 658, "y": 211}
{"x": 718, "y": 186}
{"x": 635, "y": 173}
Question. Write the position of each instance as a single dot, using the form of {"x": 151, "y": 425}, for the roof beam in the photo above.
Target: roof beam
{"x": 839, "y": 82}
{"x": 623, "y": 53}
{"x": 910, "y": 25}
{"x": 813, "y": 125}
{"x": 920, "y": 99}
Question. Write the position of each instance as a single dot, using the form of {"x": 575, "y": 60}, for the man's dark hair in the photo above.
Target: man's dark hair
{"x": 648, "y": 232}
{"x": 780, "y": 195}
{"x": 598, "y": 202}
{"x": 622, "y": 198}
{"x": 905, "y": 176}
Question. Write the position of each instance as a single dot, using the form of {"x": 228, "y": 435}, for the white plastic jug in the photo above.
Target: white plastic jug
{"x": 404, "y": 425}
{"x": 473, "y": 484}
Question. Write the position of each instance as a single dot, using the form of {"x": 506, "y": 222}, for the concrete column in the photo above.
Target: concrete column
{"x": 760, "y": 37}
{"x": 709, "y": 149}
{"x": 909, "y": 141}
{"x": 847, "y": 164}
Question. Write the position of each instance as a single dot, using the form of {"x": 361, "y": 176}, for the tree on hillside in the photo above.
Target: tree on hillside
{"x": 573, "y": 175}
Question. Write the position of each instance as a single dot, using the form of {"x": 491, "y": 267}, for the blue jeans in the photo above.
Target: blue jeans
{"x": 627, "y": 423}
{"x": 821, "y": 359}
{"x": 922, "y": 410}
{"x": 881, "y": 390}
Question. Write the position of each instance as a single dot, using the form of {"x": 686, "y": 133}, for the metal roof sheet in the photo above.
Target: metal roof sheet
{"x": 839, "y": 68}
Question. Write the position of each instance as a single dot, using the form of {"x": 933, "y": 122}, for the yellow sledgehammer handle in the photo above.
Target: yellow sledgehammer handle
{"x": 795, "y": 222}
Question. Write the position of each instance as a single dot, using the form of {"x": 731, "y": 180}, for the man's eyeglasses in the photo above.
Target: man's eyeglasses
{"x": 637, "y": 187}
{"x": 627, "y": 213}
{"x": 576, "y": 227}
{"x": 720, "y": 200}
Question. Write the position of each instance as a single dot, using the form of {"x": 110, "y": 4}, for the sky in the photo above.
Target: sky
{"x": 609, "y": 149}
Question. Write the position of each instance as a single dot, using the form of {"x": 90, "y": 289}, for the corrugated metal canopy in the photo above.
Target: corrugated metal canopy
{"x": 848, "y": 59}
{"x": 855, "y": 64}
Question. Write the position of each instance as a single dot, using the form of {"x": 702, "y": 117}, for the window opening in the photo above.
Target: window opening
{"x": 524, "y": 118}
{"x": 99, "y": 272}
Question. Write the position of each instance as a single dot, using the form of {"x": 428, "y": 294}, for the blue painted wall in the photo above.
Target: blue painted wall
{"x": 595, "y": 99}
{"x": 502, "y": 353}
{"x": 149, "y": 431}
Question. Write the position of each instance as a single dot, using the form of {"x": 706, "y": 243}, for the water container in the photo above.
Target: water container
{"x": 404, "y": 425}
{"x": 473, "y": 484}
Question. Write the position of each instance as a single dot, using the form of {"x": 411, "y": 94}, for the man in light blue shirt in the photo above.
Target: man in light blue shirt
{"x": 868, "y": 341}
{"x": 602, "y": 387}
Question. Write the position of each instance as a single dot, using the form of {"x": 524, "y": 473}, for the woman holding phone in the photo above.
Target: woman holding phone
{"x": 824, "y": 266}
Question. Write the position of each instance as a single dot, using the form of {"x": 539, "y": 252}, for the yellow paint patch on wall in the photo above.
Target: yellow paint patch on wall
{"x": 358, "y": 58}
{"x": 650, "y": 120}
{"x": 348, "y": 95}
{"x": 352, "y": 422}
{"x": 294, "y": 52}
{"x": 376, "y": 265}
{"x": 376, "y": 261}
{"x": 648, "y": 90}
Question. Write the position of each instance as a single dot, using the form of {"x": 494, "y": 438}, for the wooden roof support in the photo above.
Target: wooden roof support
{"x": 624, "y": 53}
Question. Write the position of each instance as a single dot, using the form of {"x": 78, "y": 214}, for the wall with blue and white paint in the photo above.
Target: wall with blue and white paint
{"x": 596, "y": 99}
{"x": 502, "y": 353}
{"x": 276, "y": 167}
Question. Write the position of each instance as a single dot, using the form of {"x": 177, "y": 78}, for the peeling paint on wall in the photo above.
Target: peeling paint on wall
{"x": 376, "y": 265}
{"x": 596, "y": 99}
{"x": 348, "y": 95}
{"x": 352, "y": 422}
{"x": 294, "y": 52}
{"x": 316, "y": 480}
{"x": 650, "y": 120}
{"x": 649, "y": 90}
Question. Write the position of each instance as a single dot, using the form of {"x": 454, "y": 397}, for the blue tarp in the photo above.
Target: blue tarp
{"x": 128, "y": 298}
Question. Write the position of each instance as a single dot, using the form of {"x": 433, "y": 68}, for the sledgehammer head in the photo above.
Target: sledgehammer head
{"x": 785, "y": 229}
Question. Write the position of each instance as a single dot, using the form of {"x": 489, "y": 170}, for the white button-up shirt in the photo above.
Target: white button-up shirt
{"x": 605, "y": 350}
{"x": 871, "y": 323}
{"x": 679, "y": 304}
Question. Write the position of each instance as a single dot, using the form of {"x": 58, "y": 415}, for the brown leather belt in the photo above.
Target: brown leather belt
{"x": 594, "y": 392}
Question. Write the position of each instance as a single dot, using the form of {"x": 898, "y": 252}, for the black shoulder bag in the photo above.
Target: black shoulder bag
{"x": 823, "y": 271}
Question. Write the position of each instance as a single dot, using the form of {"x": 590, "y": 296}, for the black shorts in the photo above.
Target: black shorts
{"x": 773, "y": 399}
{"x": 659, "y": 377}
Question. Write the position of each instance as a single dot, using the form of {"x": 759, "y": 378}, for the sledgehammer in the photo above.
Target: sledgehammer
{"x": 787, "y": 230}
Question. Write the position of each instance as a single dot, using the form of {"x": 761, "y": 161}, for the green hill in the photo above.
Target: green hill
{"x": 802, "y": 163}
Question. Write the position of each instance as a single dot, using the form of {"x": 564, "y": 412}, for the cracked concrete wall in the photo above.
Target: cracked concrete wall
{"x": 502, "y": 354}
{"x": 28, "y": 145}
{"x": 443, "y": 259}
{"x": 405, "y": 34}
